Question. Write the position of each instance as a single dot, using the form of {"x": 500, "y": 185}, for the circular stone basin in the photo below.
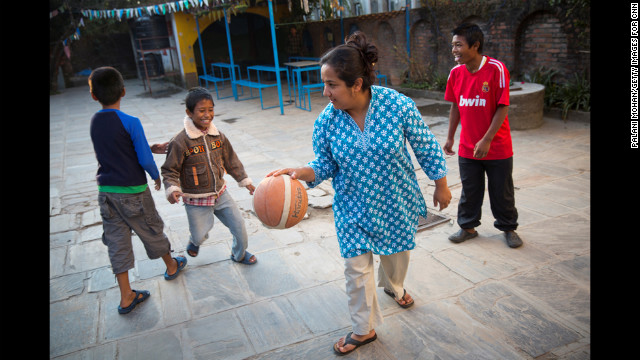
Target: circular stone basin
{"x": 526, "y": 103}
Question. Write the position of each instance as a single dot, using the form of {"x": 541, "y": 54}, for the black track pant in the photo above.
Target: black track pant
{"x": 501, "y": 194}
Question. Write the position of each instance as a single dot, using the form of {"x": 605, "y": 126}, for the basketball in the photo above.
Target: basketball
{"x": 280, "y": 202}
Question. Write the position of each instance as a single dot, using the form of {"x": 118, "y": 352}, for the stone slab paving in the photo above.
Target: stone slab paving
{"x": 475, "y": 300}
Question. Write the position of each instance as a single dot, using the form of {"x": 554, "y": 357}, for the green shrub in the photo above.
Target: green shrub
{"x": 574, "y": 94}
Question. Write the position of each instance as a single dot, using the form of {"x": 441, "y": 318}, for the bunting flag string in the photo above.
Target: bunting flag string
{"x": 159, "y": 9}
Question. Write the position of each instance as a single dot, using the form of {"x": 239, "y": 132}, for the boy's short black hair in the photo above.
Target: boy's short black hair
{"x": 471, "y": 33}
{"x": 106, "y": 84}
{"x": 195, "y": 95}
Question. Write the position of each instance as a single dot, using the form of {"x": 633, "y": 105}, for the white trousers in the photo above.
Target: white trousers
{"x": 361, "y": 289}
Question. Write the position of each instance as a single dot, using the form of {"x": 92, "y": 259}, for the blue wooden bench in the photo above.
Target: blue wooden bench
{"x": 210, "y": 78}
{"x": 306, "y": 94}
{"x": 254, "y": 85}
{"x": 215, "y": 80}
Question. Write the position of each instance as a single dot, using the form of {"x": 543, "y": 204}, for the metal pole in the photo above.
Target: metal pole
{"x": 275, "y": 56}
{"x": 204, "y": 66}
{"x": 408, "y": 26}
{"x": 233, "y": 70}
{"x": 341, "y": 25}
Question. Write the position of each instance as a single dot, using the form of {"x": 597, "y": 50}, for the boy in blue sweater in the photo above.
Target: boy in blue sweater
{"x": 125, "y": 201}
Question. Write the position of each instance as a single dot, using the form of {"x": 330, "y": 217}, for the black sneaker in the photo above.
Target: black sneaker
{"x": 513, "y": 240}
{"x": 462, "y": 235}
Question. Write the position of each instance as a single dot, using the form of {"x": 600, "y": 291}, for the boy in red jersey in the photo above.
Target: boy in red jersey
{"x": 478, "y": 88}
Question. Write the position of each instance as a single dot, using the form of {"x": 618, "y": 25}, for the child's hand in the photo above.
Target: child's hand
{"x": 160, "y": 148}
{"x": 481, "y": 149}
{"x": 174, "y": 198}
{"x": 157, "y": 182}
{"x": 448, "y": 147}
{"x": 251, "y": 189}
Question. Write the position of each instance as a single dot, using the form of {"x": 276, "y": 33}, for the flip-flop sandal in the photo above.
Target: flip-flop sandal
{"x": 245, "y": 260}
{"x": 136, "y": 301}
{"x": 348, "y": 340}
{"x": 406, "y": 305}
{"x": 182, "y": 262}
{"x": 191, "y": 248}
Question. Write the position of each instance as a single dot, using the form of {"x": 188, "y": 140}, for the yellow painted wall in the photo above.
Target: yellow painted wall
{"x": 187, "y": 35}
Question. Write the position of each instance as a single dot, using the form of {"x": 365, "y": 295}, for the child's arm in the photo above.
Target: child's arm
{"x": 482, "y": 147}
{"x": 233, "y": 165}
{"x": 174, "y": 197}
{"x": 171, "y": 173}
{"x": 454, "y": 120}
{"x": 159, "y": 148}
{"x": 141, "y": 146}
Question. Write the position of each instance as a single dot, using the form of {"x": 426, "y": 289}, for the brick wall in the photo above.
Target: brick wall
{"x": 524, "y": 34}
{"x": 542, "y": 43}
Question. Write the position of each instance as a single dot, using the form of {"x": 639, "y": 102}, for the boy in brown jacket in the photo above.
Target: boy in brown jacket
{"x": 197, "y": 159}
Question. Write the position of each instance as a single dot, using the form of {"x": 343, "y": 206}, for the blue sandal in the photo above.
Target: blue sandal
{"x": 136, "y": 301}
{"x": 245, "y": 260}
{"x": 191, "y": 248}
{"x": 182, "y": 262}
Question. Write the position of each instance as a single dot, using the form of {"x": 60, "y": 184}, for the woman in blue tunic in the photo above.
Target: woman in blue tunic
{"x": 359, "y": 141}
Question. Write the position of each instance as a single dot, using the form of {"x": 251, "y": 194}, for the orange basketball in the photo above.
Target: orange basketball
{"x": 280, "y": 202}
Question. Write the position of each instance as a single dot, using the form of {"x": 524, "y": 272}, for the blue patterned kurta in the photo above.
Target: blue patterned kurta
{"x": 377, "y": 199}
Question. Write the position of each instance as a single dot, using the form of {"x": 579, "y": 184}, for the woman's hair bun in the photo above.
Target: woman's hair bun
{"x": 369, "y": 51}
{"x": 353, "y": 60}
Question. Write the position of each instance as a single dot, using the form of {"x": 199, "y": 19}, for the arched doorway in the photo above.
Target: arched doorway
{"x": 541, "y": 42}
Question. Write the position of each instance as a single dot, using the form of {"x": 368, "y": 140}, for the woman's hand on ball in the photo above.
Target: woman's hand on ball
{"x": 304, "y": 173}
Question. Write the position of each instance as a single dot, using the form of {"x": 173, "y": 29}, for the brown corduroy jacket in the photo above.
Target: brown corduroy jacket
{"x": 196, "y": 162}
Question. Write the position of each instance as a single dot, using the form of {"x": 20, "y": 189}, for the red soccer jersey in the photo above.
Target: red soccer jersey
{"x": 477, "y": 96}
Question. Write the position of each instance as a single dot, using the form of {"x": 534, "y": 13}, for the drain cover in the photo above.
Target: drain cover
{"x": 430, "y": 221}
